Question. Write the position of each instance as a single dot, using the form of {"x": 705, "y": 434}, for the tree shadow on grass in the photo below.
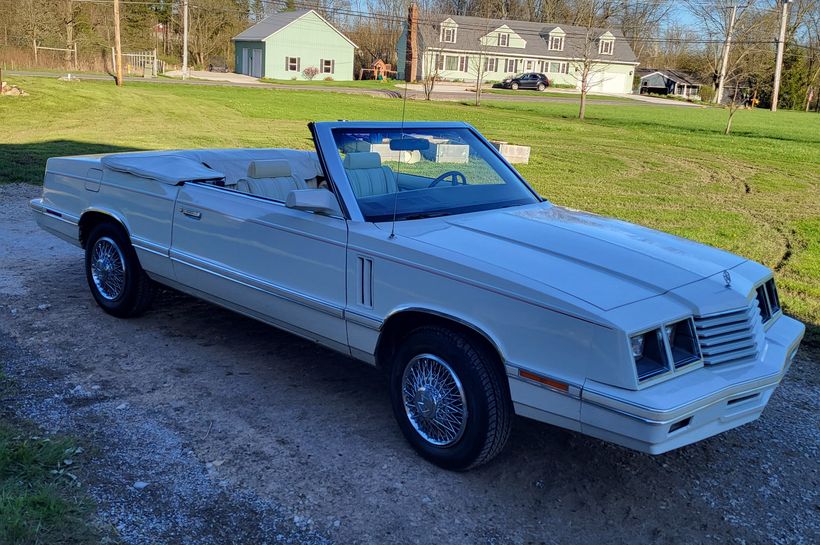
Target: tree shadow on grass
{"x": 26, "y": 163}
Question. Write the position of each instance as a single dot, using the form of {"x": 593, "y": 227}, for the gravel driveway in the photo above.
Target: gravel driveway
{"x": 245, "y": 434}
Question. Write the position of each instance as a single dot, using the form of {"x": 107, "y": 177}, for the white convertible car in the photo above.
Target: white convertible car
{"x": 417, "y": 248}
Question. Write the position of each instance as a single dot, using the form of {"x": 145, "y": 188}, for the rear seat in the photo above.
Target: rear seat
{"x": 271, "y": 179}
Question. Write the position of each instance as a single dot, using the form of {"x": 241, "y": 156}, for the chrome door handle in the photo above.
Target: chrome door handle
{"x": 196, "y": 214}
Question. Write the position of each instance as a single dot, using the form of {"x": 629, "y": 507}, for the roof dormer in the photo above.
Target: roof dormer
{"x": 448, "y": 31}
{"x": 606, "y": 43}
{"x": 555, "y": 40}
{"x": 503, "y": 36}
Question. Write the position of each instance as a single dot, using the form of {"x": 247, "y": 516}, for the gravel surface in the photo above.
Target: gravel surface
{"x": 208, "y": 427}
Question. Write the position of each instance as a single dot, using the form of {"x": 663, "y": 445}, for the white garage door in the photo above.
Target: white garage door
{"x": 606, "y": 82}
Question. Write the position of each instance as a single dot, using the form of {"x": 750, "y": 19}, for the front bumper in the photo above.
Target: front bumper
{"x": 694, "y": 406}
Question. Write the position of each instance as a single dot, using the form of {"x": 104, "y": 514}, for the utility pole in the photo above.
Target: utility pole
{"x": 781, "y": 45}
{"x": 185, "y": 39}
{"x": 726, "y": 46}
{"x": 117, "y": 44}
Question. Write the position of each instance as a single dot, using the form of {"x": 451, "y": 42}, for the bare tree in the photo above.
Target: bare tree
{"x": 430, "y": 73}
{"x": 586, "y": 49}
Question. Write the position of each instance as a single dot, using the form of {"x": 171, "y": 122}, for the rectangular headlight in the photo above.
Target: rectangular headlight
{"x": 768, "y": 300}
{"x": 652, "y": 360}
{"x": 683, "y": 342}
{"x": 774, "y": 299}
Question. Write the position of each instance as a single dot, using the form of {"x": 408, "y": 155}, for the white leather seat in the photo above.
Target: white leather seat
{"x": 270, "y": 178}
{"x": 367, "y": 175}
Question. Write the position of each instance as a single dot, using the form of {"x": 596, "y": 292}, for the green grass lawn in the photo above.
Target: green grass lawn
{"x": 555, "y": 94}
{"x": 320, "y": 82}
{"x": 755, "y": 193}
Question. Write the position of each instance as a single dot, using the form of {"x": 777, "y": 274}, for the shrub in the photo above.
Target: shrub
{"x": 310, "y": 72}
{"x": 329, "y": 78}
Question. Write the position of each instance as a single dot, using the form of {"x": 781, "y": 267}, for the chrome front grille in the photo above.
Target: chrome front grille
{"x": 729, "y": 336}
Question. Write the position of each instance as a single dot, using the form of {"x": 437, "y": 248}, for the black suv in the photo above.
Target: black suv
{"x": 527, "y": 80}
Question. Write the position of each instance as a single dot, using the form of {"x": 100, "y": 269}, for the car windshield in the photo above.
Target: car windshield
{"x": 419, "y": 173}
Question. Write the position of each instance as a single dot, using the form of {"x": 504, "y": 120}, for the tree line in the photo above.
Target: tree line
{"x": 686, "y": 35}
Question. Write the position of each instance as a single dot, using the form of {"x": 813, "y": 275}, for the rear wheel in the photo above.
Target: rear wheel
{"x": 450, "y": 398}
{"x": 541, "y": 86}
{"x": 115, "y": 277}
{"x": 514, "y": 86}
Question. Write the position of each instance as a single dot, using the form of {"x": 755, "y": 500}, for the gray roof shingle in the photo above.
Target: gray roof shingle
{"x": 471, "y": 29}
{"x": 269, "y": 25}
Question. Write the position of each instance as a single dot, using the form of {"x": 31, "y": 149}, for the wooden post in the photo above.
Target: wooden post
{"x": 117, "y": 44}
{"x": 35, "y": 50}
{"x": 76, "y": 62}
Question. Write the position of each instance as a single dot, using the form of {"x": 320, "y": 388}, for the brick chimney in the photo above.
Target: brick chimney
{"x": 411, "y": 63}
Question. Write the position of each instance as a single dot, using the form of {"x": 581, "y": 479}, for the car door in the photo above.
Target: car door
{"x": 528, "y": 82}
{"x": 284, "y": 266}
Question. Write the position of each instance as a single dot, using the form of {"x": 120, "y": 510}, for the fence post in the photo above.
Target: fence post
{"x": 35, "y": 50}
{"x": 113, "y": 61}
{"x": 76, "y": 62}
{"x": 155, "y": 62}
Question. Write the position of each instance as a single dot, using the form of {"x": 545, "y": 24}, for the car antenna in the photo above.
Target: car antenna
{"x": 398, "y": 166}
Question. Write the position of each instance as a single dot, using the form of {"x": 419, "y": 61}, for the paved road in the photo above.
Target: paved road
{"x": 246, "y": 434}
{"x": 448, "y": 94}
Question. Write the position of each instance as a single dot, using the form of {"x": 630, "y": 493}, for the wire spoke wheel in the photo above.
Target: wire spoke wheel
{"x": 434, "y": 400}
{"x": 108, "y": 269}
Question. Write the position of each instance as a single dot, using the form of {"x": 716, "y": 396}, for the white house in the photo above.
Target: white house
{"x": 466, "y": 48}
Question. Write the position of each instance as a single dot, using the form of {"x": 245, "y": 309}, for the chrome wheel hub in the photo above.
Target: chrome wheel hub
{"x": 434, "y": 400}
{"x": 108, "y": 268}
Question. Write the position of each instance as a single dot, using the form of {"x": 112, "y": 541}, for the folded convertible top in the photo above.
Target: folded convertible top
{"x": 177, "y": 166}
{"x": 164, "y": 167}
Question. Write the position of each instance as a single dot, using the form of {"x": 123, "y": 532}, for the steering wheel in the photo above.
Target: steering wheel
{"x": 455, "y": 176}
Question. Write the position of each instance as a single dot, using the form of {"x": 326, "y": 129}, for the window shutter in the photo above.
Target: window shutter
{"x": 321, "y": 66}
{"x": 333, "y": 66}
{"x": 298, "y": 63}
{"x": 286, "y": 64}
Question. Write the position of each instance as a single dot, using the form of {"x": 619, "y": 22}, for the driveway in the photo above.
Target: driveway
{"x": 246, "y": 434}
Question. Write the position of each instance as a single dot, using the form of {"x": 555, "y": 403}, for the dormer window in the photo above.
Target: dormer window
{"x": 556, "y": 39}
{"x": 503, "y": 39}
{"x": 448, "y": 31}
{"x": 606, "y": 46}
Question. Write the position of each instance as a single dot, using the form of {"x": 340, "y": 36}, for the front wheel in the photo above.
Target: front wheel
{"x": 117, "y": 281}
{"x": 450, "y": 398}
{"x": 514, "y": 86}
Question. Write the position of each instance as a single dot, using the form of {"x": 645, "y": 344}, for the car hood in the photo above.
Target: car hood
{"x": 604, "y": 262}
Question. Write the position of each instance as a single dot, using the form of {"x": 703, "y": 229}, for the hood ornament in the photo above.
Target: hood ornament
{"x": 727, "y": 278}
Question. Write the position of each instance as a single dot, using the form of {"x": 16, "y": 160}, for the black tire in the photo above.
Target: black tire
{"x": 541, "y": 87}
{"x": 514, "y": 86}
{"x": 486, "y": 396}
{"x": 137, "y": 290}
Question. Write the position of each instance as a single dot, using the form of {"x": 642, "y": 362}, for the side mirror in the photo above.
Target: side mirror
{"x": 320, "y": 201}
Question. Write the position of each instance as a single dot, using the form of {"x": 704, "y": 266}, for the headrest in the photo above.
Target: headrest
{"x": 363, "y": 159}
{"x": 270, "y": 168}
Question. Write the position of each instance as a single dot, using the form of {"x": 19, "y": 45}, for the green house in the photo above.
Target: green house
{"x": 284, "y": 44}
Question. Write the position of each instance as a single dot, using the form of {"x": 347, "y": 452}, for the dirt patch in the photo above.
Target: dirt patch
{"x": 245, "y": 434}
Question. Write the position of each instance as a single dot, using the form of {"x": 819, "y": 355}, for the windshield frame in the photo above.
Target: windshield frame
{"x": 331, "y": 161}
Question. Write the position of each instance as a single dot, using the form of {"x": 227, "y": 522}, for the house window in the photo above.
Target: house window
{"x": 462, "y": 64}
{"x": 510, "y": 65}
{"x": 292, "y": 64}
{"x": 606, "y": 47}
{"x": 559, "y": 67}
{"x": 448, "y": 34}
{"x": 503, "y": 39}
{"x": 327, "y": 66}
{"x": 451, "y": 62}
{"x": 490, "y": 64}
{"x": 543, "y": 66}
{"x": 556, "y": 43}
{"x": 439, "y": 62}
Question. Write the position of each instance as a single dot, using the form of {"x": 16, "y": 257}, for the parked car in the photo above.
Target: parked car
{"x": 527, "y": 80}
{"x": 217, "y": 64}
{"x": 418, "y": 249}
